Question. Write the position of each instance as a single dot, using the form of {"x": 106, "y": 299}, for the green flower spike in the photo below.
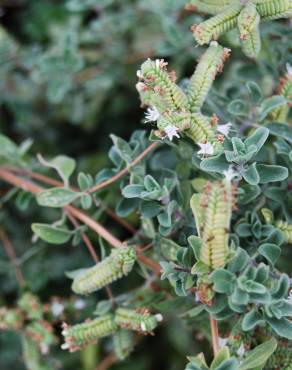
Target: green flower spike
{"x": 137, "y": 320}
{"x": 118, "y": 264}
{"x": 123, "y": 343}
{"x": 213, "y": 210}
{"x": 284, "y": 89}
{"x": 283, "y": 226}
{"x": 248, "y": 24}
{"x": 209, "y": 6}
{"x": 246, "y": 14}
{"x": 80, "y": 335}
{"x": 176, "y": 111}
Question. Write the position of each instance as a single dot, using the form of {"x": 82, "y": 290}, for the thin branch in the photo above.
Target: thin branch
{"x": 215, "y": 335}
{"x": 126, "y": 170}
{"x": 149, "y": 262}
{"x": 91, "y": 249}
{"x": 81, "y": 216}
{"x": 121, "y": 221}
{"x": 107, "y": 362}
{"x": 47, "y": 180}
{"x": 85, "y": 238}
{"x": 12, "y": 255}
{"x": 36, "y": 176}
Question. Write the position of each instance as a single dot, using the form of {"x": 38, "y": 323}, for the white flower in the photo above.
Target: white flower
{"x": 152, "y": 114}
{"x": 214, "y": 43}
{"x": 289, "y": 69}
{"x": 241, "y": 350}
{"x": 157, "y": 63}
{"x": 57, "y": 308}
{"x": 222, "y": 342}
{"x": 143, "y": 326}
{"x": 206, "y": 148}
{"x": 139, "y": 73}
{"x": 65, "y": 346}
{"x": 224, "y": 129}
{"x": 79, "y": 304}
{"x": 140, "y": 86}
{"x": 229, "y": 174}
{"x": 160, "y": 63}
{"x": 171, "y": 132}
{"x": 159, "y": 317}
{"x": 44, "y": 348}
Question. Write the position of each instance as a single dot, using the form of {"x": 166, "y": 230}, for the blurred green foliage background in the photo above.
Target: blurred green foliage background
{"x": 67, "y": 80}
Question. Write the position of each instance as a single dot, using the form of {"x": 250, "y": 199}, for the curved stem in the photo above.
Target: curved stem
{"x": 78, "y": 214}
{"x": 215, "y": 335}
{"x": 107, "y": 362}
{"x": 12, "y": 255}
{"x": 125, "y": 170}
{"x": 47, "y": 180}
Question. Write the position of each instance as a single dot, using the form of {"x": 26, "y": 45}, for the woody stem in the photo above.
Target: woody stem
{"x": 215, "y": 335}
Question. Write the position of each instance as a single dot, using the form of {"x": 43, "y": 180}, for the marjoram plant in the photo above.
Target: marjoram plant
{"x": 211, "y": 184}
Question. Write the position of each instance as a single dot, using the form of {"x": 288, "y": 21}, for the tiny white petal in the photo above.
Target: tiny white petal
{"x": 206, "y": 148}
{"x": 289, "y": 69}
{"x": 224, "y": 129}
{"x": 152, "y": 114}
{"x": 65, "y": 346}
{"x": 140, "y": 86}
{"x": 171, "y": 132}
{"x": 159, "y": 317}
{"x": 79, "y": 304}
{"x": 139, "y": 73}
{"x": 289, "y": 299}
{"x": 143, "y": 326}
{"x": 44, "y": 348}
{"x": 229, "y": 174}
{"x": 241, "y": 350}
{"x": 222, "y": 342}
{"x": 57, "y": 308}
{"x": 214, "y": 43}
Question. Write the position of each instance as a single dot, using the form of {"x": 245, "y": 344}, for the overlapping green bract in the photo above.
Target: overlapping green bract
{"x": 122, "y": 322}
{"x": 123, "y": 343}
{"x": 171, "y": 107}
{"x": 80, "y": 335}
{"x": 213, "y": 210}
{"x": 118, "y": 264}
{"x": 223, "y": 261}
{"x": 142, "y": 321}
{"x": 282, "y": 225}
{"x": 246, "y": 15}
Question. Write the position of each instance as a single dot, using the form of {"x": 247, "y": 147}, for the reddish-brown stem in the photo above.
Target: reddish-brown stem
{"x": 95, "y": 226}
{"x": 47, "y": 180}
{"x": 126, "y": 170}
{"x": 12, "y": 255}
{"x": 121, "y": 221}
{"x": 215, "y": 335}
{"x": 78, "y": 214}
{"x": 85, "y": 238}
{"x": 36, "y": 176}
{"x": 107, "y": 362}
{"x": 149, "y": 262}
{"x": 146, "y": 247}
{"x": 91, "y": 250}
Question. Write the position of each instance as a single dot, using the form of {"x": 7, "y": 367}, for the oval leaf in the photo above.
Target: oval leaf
{"x": 51, "y": 234}
{"x": 56, "y": 197}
